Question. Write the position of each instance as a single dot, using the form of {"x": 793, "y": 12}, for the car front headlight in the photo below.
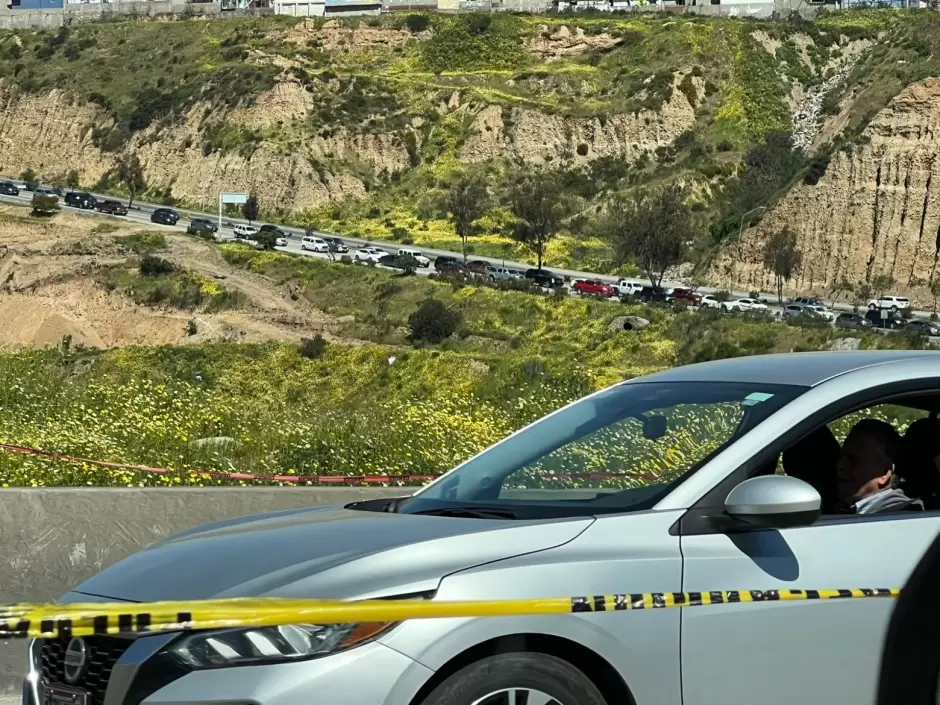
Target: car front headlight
{"x": 257, "y": 645}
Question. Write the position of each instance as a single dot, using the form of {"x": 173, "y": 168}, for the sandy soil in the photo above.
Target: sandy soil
{"x": 48, "y": 290}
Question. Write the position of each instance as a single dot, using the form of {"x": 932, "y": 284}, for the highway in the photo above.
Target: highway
{"x": 141, "y": 211}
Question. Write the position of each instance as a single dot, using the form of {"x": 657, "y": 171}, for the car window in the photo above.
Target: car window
{"x": 621, "y": 449}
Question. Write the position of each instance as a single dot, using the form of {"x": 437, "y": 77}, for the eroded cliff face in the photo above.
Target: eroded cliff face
{"x": 875, "y": 211}
{"x": 290, "y": 170}
{"x": 539, "y": 138}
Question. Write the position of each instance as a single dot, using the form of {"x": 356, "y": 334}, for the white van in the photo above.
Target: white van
{"x": 422, "y": 260}
{"x": 314, "y": 244}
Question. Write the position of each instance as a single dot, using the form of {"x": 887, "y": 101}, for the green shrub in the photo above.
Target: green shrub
{"x": 152, "y": 266}
{"x": 433, "y": 322}
{"x": 417, "y": 23}
{"x": 312, "y": 348}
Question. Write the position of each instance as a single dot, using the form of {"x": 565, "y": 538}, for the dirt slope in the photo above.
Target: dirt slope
{"x": 48, "y": 290}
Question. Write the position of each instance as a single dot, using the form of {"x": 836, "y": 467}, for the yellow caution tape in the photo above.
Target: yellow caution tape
{"x": 55, "y": 621}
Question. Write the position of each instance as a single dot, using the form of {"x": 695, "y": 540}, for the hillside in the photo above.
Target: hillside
{"x": 156, "y": 342}
{"x": 360, "y": 126}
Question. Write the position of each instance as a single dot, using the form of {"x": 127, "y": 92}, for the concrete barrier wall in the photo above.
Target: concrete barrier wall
{"x": 53, "y": 539}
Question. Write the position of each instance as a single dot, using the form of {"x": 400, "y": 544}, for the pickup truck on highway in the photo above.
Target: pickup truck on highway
{"x": 628, "y": 287}
{"x": 111, "y": 207}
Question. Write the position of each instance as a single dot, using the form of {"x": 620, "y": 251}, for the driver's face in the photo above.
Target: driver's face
{"x": 863, "y": 468}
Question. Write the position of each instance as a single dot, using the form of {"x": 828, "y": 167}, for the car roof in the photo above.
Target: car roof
{"x": 800, "y": 369}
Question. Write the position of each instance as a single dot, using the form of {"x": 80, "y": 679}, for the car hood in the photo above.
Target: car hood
{"x": 328, "y": 552}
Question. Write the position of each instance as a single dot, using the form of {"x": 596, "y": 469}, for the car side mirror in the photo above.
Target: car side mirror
{"x": 774, "y": 502}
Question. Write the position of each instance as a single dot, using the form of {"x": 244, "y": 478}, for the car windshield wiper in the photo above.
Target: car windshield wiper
{"x": 471, "y": 512}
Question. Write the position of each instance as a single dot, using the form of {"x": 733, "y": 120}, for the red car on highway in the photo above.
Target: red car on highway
{"x": 594, "y": 286}
{"x": 687, "y": 296}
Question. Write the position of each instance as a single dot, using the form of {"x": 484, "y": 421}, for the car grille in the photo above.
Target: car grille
{"x": 103, "y": 654}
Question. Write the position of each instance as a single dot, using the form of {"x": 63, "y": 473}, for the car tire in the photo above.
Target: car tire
{"x": 491, "y": 676}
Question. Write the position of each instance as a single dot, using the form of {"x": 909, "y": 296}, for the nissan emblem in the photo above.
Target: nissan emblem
{"x": 76, "y": 660}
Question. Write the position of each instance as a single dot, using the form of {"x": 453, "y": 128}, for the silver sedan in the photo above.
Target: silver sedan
{"x": 665, "y": 483}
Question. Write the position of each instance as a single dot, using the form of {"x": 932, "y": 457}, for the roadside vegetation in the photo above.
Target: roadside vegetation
{"x": 405, "y": 404}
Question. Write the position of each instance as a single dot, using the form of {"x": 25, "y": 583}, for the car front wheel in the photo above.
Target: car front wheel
{"x": 517, "y": 679}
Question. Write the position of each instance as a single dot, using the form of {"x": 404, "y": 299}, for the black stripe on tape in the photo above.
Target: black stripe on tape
{"x": 636, "y": 601}
{"x": 46, "y": 626}
{"x": 185, "y": 619}
{"x": 600, "y": 603}
{"x": 100, "y": 624}
{"x": 578, "y": 604}
{"x": 845, "y": 593}
{"x": 716, "y": 596}
{"x": 756, "y": 595}
{"x": 812, "y": 594}
{"x": 733, "y": 596}
{"x": 695, "y": 599}
{"x": 143, "y": 622}
{"x": 620, "y": 602}
{"x": 868, "y": 592}
{"x": 125, "y": 623}
{"x": 659, "y": 600}
{"x": 65, "y": 628}
{"x": 678, "y": 598}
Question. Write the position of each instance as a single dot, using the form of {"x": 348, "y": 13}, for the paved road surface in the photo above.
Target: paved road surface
{"x": 142, "y": 210}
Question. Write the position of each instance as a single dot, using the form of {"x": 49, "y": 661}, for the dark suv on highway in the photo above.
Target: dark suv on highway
{"x": 545, "y": 278}
{"x": 9, "y": 188}
{"x": 197, "y": 225}
{"x": 166, "y": 216}
{"x": 80, "y": 199}
{"x": 334, "y": 243}
{"x": 445, "y": 264}
{"x": 112, "y": 207}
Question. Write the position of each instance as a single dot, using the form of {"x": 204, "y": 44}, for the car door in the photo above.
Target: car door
{"x": 815, "y": 652}
{"x": 823, "y": 652}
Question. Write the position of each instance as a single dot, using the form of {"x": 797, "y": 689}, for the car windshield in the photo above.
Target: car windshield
{"x": 622, "y": 449}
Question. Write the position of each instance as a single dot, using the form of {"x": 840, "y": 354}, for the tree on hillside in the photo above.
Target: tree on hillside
{"x": 45, "y": 205}
{"x": 651, "y": 227}
{"x": 782, "y": 257}
{"x": 935, "y": 292}
{"x": 537, "y": 204}
{"x": 881, "y": 283}
{"x": 131, "y": 174}
{"x": 30, "y": 180}
{"x": 841, "y": 287}
{"x": 467, "y": 201}
{"x": 250, "y": 208}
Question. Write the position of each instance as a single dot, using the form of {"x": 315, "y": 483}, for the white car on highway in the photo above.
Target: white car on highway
{"x": 314, "y": 244}
{"x": 245, "y": 232}
{"x": 744, "y": 305}
{"x": 369, "y": 254}
{"x": 280, "y": 242}
{"x": 709, "y": 301}
{"x": 894, "y": 303}
{"x": 422, "y": 260}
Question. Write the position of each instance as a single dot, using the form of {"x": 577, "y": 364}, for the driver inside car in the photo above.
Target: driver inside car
{"x": 866, "y": 471}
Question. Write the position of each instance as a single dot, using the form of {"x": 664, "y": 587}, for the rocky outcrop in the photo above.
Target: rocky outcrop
{"x": 53, "y": 133}
{"x": 334, "y": 37}
{"x": 565, "y": 42}
{"x": 541, "y": 138}
{"x": 875, "y": 211}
